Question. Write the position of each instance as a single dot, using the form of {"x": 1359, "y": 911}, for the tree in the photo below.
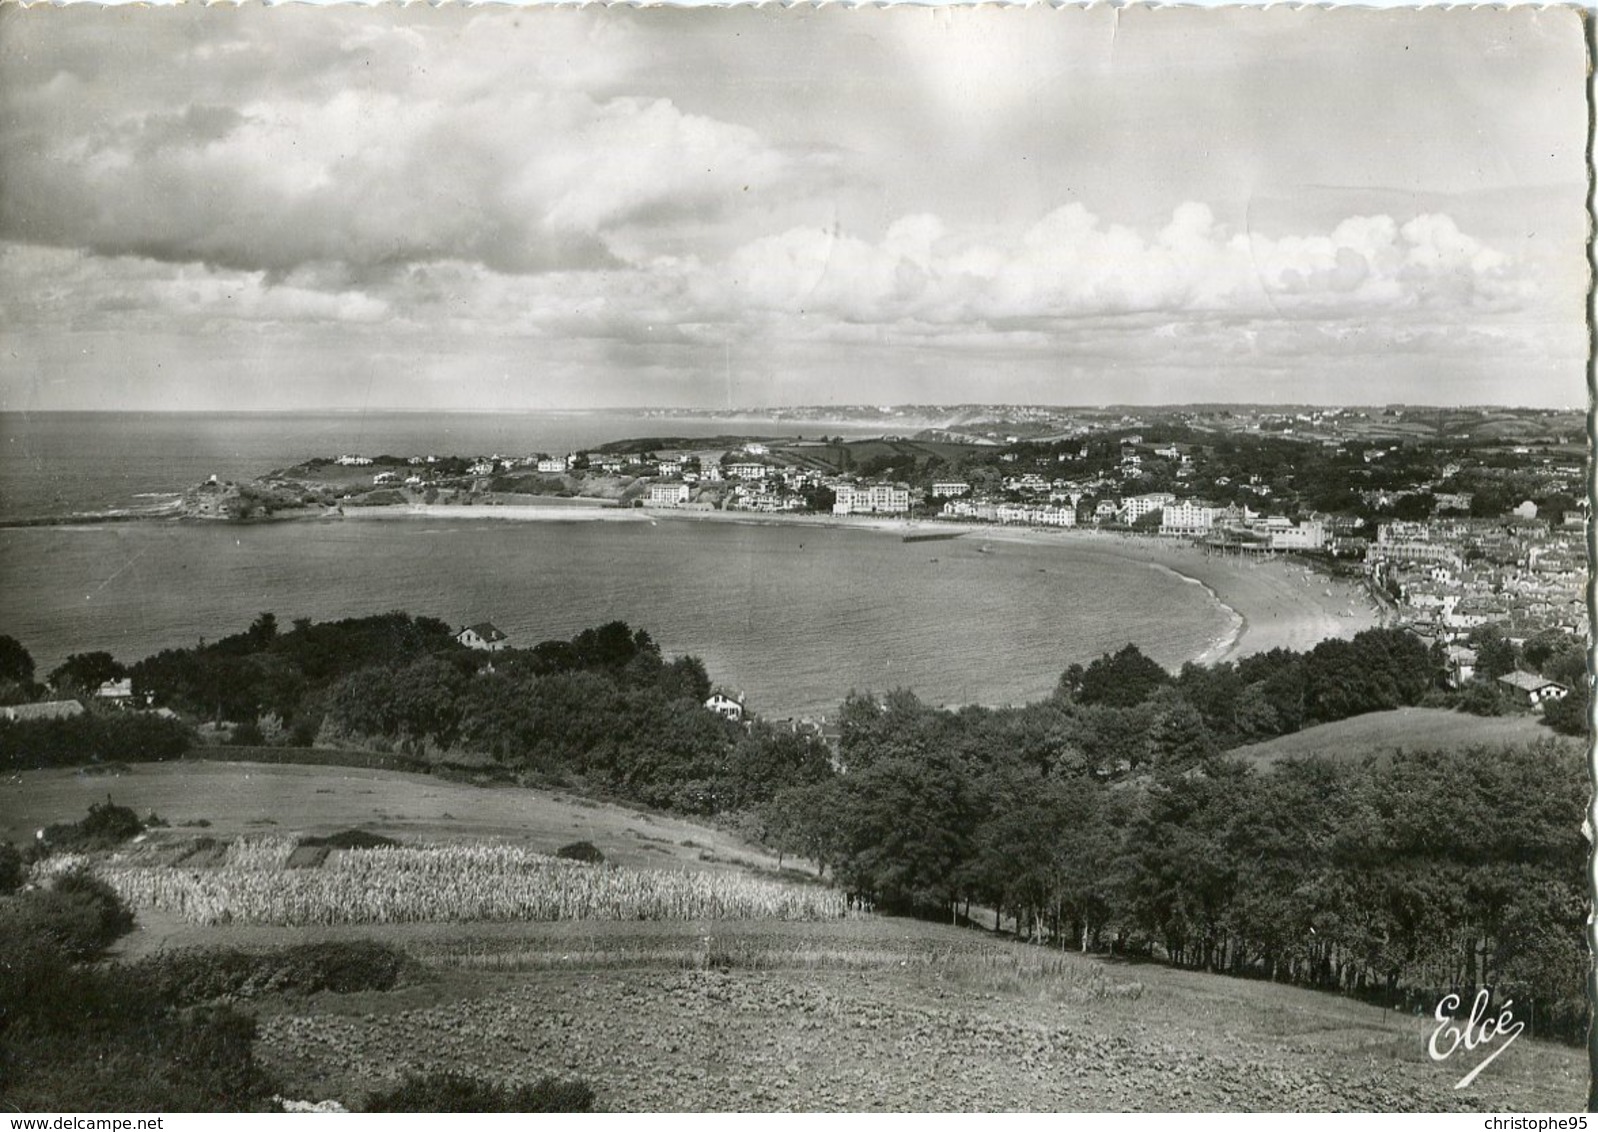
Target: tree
{"x": 15, "y": 663}
{"x": 263, "y": 631}
{"x": 85, "y": 672}
{"x": 685, "y": 678}
{"x": 1569, "y": 715}
{"x": 907, "y": 825}
{"x": 1495, "y": 652}
{"x": 1124, "y": 679}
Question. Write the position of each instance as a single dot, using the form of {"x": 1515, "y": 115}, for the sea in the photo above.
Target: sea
{"x": 791, "y": 617}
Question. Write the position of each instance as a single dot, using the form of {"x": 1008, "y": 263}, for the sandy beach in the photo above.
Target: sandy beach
{"x": 1280, "y": 603}
{"x": 548, "y": 513}
{"x": 1277, "y": 603}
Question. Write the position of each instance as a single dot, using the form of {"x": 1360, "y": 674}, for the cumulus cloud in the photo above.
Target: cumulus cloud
{"x": 377, "y": 152}
{"x": 921, "y": 280}
{"x": 1071, "y": 263}
{"x": 626, "y": 191}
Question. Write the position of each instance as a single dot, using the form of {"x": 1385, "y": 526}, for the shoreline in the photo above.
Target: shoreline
{"x": 1270, "y": 603}
{"x": 1273, "y": 603}
{"x": 505, "y": 512}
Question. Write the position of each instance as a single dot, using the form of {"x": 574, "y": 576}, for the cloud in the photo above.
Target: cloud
{"x": 1071, "y": 264}
{"x": 373, "y": 149}
{"x": 627, "y": 196}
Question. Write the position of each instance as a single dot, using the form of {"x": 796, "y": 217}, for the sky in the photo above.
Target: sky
{"x": 492, "y": 208}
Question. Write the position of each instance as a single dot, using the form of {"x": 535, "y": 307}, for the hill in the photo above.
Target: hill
{"x": 1405, "y": 729}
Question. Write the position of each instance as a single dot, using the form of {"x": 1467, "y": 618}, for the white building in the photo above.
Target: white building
{"x": 749, "y": 471}
{"x": 951, "y": 490}
{"x": 667, "y": 495}
{"x": 1138, "y": 506}
{"x": 483, "y": 635}
{"x": 970, "y": 509}
{"x": 1037, "y": 516}
{"x": 555, "y": 464}
{"x": 875, "y": 499}
{"x": 726, "y": 707}
{"x": 1308, "y": 535}
{"x": 1188, "y": 517}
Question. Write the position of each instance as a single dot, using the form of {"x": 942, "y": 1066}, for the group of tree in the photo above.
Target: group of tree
{"x": 1388, "y": 877}
{"x": 604, "y": 710}
{"x": 1106, "y": 815}
{"x": 1553, "y": 654}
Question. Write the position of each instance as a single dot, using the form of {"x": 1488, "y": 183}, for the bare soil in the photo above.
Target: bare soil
{"x": 887, "y": 1015}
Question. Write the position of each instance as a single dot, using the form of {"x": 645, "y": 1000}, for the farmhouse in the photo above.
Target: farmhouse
{"x": 726, "y": 707}
{"x": 483, "y": 635}
{"x": 118, "y": 692}
{"x": 1533, "y": 688}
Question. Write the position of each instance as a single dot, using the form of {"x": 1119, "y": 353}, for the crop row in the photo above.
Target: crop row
{"x": 456, "y": 884}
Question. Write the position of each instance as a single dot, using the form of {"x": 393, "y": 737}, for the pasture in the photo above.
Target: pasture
{"x": 1403, "y": 729}
{"x": 238, "y": 799}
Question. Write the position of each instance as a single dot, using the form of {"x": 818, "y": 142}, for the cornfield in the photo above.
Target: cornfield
{"x": 457, "y": 883}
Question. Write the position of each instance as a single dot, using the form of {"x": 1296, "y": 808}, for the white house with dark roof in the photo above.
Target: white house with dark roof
{"x": 484, "y": 635}
{"x": 1534, "y": 689}
{"x": 726, "y": 707}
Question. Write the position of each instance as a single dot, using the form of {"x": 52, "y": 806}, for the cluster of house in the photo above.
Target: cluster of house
{"x": 1231, "y": 525}
{"x": 1450, "y": 576}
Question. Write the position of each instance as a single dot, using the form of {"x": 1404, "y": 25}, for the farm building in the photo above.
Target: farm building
{"x": 726, "y": 707}
{"x": 1533, "y": 688}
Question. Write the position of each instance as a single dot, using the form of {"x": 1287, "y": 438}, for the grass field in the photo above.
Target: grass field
{"x": 1406, "y": 729}
{"x": 245, "y": 798}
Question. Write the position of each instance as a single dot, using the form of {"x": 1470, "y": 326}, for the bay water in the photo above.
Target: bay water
{"x": 794, "y": 617}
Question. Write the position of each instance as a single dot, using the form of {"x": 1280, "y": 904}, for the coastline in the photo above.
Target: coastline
{"x": 1271, "y": 603}
{"x": 520, "y": 513}
{"x": 1276, "y": 602}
